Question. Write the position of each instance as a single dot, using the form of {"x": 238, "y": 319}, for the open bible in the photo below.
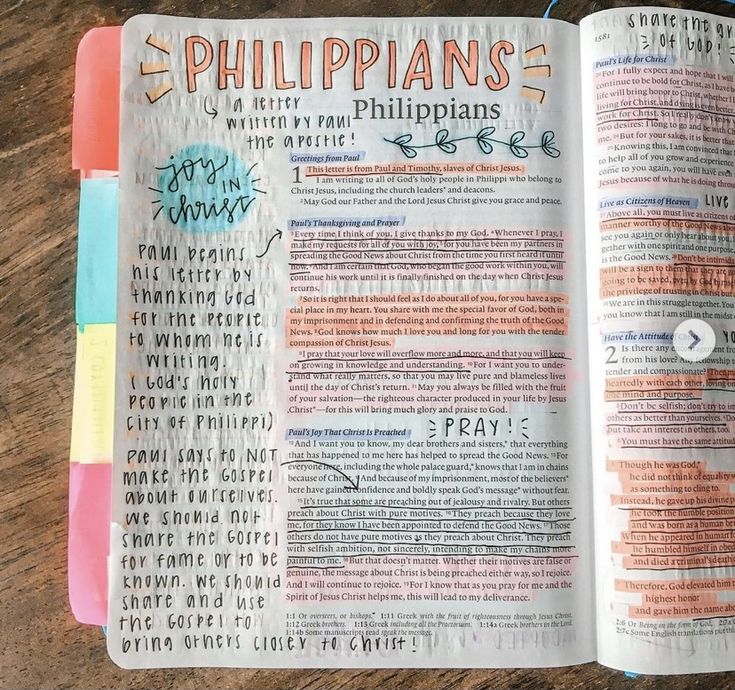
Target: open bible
{"x": 425, "y": 345}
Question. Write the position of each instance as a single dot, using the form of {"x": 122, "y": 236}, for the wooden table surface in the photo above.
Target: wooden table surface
{"x": 41, "y": 645}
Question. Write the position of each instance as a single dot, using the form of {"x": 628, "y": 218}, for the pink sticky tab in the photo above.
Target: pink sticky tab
{"x": 97, "y": 100}
{"x": 89, "y": 540}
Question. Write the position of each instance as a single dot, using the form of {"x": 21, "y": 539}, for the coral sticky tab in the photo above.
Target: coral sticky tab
{"x": 97, "y": 100}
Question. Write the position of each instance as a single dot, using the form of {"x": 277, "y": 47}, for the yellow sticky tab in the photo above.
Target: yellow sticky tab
{"x": 94, "y": 395}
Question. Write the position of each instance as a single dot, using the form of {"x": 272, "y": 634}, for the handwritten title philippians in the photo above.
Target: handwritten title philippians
{"x": 239, "y": 64}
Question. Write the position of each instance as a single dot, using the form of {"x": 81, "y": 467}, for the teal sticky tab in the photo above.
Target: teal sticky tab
{"x": 97, "y": 251}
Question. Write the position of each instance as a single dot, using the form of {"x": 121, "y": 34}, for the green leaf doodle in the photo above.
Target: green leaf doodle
{"x": 485, "y": 141}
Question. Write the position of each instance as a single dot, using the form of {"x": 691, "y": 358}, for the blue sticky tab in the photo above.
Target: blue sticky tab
{"x": 97, "y": 251}
{"x": 630, "y": 674}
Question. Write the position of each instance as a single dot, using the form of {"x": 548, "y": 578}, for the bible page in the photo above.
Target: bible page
{"x": 659, "y": 96}
{"x": 351, "y": 420}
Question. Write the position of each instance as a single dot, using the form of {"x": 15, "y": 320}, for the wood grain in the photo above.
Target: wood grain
{"x": 41, "y": 646}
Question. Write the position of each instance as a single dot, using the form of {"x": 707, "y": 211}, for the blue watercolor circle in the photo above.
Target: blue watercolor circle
{"x": 204, "y": 188}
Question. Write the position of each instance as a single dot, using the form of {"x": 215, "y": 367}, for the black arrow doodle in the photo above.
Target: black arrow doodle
{"x": 277, "y": 234}
{"x": 209, "y": 110}
{"x": 354, "y": 485}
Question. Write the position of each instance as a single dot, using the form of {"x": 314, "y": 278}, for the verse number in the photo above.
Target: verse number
{"x": 611, "y": 354}
{"x": 297, "y": 175}
{"x": 729, "y": 337}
